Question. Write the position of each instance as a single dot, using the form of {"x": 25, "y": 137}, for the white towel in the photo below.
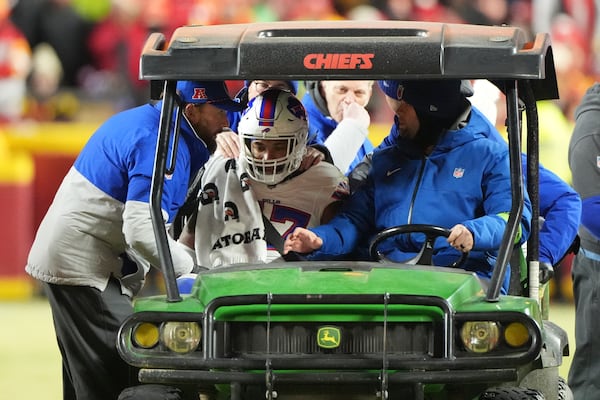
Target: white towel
{"x": 229, "y": 228}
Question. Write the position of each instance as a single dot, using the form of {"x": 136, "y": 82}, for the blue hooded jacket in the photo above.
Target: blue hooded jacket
{"x": 560, "y": 205}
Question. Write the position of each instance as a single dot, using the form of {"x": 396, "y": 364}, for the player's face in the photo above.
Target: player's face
{"x": 408, "y": 122}
{"x": 269, "y": 149}
{"x": 208, "y": 121}
{"x": 257, "y": 87}
{"x": 339, "y": 93}
{"x": 266, "y": 150}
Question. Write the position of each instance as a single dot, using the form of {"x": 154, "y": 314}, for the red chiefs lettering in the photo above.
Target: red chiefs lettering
{"x": 339, "y": 61}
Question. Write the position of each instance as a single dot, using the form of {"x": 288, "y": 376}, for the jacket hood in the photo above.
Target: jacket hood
{"x": 450, "y": 138}
{"x": 312, "y": 88}
{"x": 199, "y": 153}
{"x": 454, "y": 138}
{"x": 184, "y": 125}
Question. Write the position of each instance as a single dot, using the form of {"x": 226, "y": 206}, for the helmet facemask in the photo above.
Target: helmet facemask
{"x": 274, "y": 123}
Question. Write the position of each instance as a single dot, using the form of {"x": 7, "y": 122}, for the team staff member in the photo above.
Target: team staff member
{"x": 560, "y": 205}
{"x": 584, "y": 161}
{"x": 338, "y": 119}
{"x": 442, "y": 171}
{"x": 96, "y": 243}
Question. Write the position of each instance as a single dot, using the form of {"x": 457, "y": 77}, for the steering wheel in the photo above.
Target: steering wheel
{"x": 425, "y": 255}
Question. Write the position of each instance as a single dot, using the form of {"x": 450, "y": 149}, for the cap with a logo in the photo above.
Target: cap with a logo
{"x": 434, "y": 98}
{"x": 207, "y": 92}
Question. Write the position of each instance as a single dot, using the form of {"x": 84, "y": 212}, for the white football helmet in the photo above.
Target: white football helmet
{"x": 274, "y": 115}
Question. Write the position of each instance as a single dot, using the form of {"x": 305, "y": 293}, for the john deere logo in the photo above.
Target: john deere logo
{"x": 328, "y": 337}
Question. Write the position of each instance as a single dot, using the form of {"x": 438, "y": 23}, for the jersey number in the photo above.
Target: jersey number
{"x": 284, "y": 215}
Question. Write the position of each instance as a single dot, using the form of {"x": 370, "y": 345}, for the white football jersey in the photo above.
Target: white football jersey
{"x": 301, "y": 200}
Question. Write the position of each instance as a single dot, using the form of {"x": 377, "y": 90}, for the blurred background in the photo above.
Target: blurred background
{"x": 66, "y": 65}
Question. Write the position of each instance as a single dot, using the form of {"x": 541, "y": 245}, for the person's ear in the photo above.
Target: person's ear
{"x": 189, "y": 110}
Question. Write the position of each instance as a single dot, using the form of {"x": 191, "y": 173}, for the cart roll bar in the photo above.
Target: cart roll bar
{"x": 533, "y": 184}
{"x": 158, "y": 179}
{"x": 516, "y": 177}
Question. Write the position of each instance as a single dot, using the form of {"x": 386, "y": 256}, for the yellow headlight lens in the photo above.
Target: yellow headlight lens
{"x": 145, "y": 335}
{"x": 181, "y": 337}
{"x": 480, "y": 336}
{"x": 516, "y": 334}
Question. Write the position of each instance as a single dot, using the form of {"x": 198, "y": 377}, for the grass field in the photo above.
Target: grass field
{"x": 30, "y": 366}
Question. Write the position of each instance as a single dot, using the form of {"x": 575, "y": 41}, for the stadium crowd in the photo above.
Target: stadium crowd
{"x": 89, "y": 49}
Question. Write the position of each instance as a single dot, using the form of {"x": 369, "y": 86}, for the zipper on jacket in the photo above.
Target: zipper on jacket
{"x": 416, "y": 189}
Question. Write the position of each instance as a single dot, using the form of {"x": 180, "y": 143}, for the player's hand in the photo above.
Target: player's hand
{"x": 228, "y": 144}
{"x": 358, "y": 113}
{"x": 302, "y": 241}
{"x": 460, "y": 238}
{"x": 312, "y": 157}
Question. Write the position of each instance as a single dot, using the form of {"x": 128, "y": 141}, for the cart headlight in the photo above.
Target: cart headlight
{"x": 480, "y": 336}
{"x": 516, "y": 334}
{"x": 145, "y": 335}
{"x": 181, "y": 337}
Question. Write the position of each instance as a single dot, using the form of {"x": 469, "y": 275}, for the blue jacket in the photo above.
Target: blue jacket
{"x": 560, "y": 205}
{"x": 560, "y": 208}
{"x": 101, "y": 211}
{"x": 321, "y": 126}
{"x": 119, "y": 158}
{"x": 466, "y": 180}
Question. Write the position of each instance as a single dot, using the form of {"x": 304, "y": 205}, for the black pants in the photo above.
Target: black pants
{"x": 584, "y": 374}
{"x": 86, "y": 322}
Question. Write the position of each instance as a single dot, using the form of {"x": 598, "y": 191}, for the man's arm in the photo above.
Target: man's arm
{"x": 584, "y": 158}
{"x": 359, "y": 174}
{"x": 489, "y": 229}
{"x": 560, "y": 206}
{"x": 137, "y": 227}
{"x": 188, "y": 233}
{"x": 349, "y": 135}
{"x": 139, "y": 235}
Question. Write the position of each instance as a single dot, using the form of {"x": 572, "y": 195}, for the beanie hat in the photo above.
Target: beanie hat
{"x": 441, "y": 99}
{"x": 207, "y": 92}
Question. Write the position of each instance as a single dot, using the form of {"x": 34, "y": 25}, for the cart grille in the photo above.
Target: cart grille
{"x": 406, "y": 339}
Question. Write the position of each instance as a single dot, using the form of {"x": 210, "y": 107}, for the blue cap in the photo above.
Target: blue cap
{"x": 293, "y": 85}
{"x": 434, "y": 98}
{"x": 207, "y": 92}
